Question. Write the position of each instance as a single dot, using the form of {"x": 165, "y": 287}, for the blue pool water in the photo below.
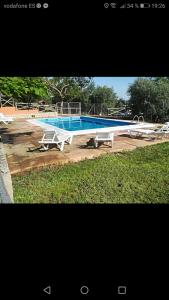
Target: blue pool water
{"x": 82, "y": 123}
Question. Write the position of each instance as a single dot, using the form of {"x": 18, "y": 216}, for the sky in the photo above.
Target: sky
{"x": 120, "y": 84}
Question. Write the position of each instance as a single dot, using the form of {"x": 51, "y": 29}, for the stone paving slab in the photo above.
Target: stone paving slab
{"x": 22, "y": 134}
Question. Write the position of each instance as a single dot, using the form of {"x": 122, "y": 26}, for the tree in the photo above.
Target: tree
{"x": 150, "y": 97}
{"x": 25, "y": 89}
{"x": 57, "y": 87}
{"x": 121, "y": 102}
{"x": 162, "y": 98}
{"x": 103, "y": 96}
{"x": 142, "y": 93}
{"x": 68, "y": 89}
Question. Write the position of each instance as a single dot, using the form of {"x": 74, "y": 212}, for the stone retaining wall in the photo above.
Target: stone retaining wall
{"x": 6, "y": 190}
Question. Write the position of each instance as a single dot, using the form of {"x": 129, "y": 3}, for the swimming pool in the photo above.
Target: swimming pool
{"x": 78, "y": 125}
{"x": 82, "y": 123}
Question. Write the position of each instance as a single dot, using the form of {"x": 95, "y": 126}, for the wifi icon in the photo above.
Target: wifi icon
{"x": 113, "y": 5}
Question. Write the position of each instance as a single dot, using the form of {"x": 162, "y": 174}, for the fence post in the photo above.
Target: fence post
{"x": 68, "y": 108}
{"x": 80, "y": 108}
{"x": 56, "y": 108}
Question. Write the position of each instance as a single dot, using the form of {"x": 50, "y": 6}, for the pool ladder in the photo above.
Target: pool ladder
{"x": 138, "y": 118}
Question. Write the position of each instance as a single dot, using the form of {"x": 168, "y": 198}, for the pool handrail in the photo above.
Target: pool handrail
{"x": 140, "y": 118}
{"x": 136, "y": 116}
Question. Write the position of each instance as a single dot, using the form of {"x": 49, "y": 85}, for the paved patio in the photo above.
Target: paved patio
{"x": 20, "y": 135}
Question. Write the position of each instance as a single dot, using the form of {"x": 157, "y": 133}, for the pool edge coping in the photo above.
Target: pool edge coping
{"x": 91, "y": 131}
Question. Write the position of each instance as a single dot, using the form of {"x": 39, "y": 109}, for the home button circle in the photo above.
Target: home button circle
{"x": 84, "y": 290}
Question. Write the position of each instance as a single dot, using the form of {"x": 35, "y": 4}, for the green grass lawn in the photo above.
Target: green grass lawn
{"x": 140, "y": 176}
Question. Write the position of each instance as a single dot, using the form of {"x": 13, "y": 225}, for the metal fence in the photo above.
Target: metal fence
{"x": 102, "y": 109}
{"x": 63, "y": 108}
{"x": 69, "y": 108}
{"x": 96, "y": 109}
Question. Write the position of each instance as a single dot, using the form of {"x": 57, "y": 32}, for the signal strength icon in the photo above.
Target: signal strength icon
{"x": 123, "y": 6}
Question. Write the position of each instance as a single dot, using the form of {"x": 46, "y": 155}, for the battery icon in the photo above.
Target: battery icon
{"x": 144, "y": 5}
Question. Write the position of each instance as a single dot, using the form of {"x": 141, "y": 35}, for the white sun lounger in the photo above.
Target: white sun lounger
{"x": 5, "y": 120}
{"x": 52, "y": 137}
{"x": 140, "y": 132}
{"x": 165, "y": 127}
{"x": 104, "y": 137}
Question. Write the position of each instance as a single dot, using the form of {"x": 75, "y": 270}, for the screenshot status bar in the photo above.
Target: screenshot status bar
{"x": 108, "y": 5}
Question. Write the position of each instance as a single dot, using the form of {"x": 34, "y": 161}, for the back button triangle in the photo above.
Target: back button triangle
{"x": 48, "y": 290}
